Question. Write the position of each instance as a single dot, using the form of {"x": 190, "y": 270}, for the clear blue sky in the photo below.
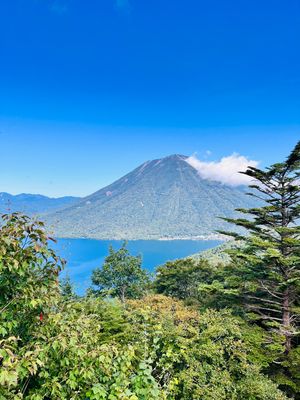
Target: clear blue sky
{"x": 90, "y": 89}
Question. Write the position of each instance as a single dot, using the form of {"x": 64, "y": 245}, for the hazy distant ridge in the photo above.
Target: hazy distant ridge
{"x": 33, "y": 203}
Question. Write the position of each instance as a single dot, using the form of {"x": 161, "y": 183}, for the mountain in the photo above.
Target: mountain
{"x": 161, "y": 199}
{"x": 31, "y": 204}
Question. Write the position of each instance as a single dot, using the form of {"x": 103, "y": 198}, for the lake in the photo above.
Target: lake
{"x": 84, "y": 255}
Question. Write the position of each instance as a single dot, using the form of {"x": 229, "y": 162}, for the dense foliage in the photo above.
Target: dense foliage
{"x": 55, "y": 345}
{"x": 198, "y": 331}
{"x": 181, "y": 278}
{"x": 121, "y": 275}
{"x": 217, "y": 255}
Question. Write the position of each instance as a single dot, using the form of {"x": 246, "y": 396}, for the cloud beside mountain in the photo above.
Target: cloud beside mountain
{"x": 226, "y": 170}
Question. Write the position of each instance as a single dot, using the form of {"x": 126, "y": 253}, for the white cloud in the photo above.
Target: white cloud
{"x": 225, "y": 170}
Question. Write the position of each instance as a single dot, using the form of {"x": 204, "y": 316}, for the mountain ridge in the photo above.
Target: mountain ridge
{"x": 33, "y": 204}
{"x": 160, "y": 199}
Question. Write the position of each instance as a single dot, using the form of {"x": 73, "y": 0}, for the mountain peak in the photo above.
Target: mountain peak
{"x": 162, "y": 198}
{"x": 171, "y": 157}
{"x": 175, "y": 157}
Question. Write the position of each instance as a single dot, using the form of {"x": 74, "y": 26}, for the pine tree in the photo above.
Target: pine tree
{"x": 270, "y": 261}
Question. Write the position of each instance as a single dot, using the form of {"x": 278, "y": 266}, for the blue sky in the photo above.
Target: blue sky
{"x": 89, "y": 90}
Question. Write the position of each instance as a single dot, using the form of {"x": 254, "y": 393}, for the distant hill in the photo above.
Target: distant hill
{"x": 161, "y": 199}
{"x": 33, "y": 203}
{"x": 217, "y": 255}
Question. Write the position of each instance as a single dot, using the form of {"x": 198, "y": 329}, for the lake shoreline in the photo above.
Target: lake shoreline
{"x": 84, "y": 255}
{"x": 221, "y": 238}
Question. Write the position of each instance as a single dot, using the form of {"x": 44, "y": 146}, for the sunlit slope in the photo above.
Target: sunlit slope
{"x": 162, "y": 198}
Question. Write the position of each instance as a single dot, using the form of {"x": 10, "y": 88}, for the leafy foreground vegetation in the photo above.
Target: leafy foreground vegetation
{"x": 197, "y": 331}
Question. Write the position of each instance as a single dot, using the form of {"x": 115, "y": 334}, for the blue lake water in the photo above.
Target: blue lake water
{"x": 84, "y": 255}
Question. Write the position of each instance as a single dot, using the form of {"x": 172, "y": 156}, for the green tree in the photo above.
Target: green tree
{"x": 262, "y": 282}
{"x": 121, "y": 275}
{"x": 28, "y": 290}
{"x": 181, "y": 278}
{"x": 270, "y": 261}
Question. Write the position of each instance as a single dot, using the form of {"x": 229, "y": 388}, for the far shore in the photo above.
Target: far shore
{"x": 222, "y": 238}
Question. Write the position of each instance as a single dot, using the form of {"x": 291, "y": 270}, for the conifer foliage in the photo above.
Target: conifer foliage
{"x": 271, "y": 257}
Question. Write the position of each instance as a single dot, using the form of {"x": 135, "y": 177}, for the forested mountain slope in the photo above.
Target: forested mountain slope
{"x": 163, "y": 198}
{"x": 31, "y": 204}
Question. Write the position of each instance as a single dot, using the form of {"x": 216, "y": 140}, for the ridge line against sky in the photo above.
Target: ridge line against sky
{"x": 81, "y": 163}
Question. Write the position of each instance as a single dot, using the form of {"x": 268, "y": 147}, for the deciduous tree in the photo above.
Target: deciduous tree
{"x": 121, "y": 275}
